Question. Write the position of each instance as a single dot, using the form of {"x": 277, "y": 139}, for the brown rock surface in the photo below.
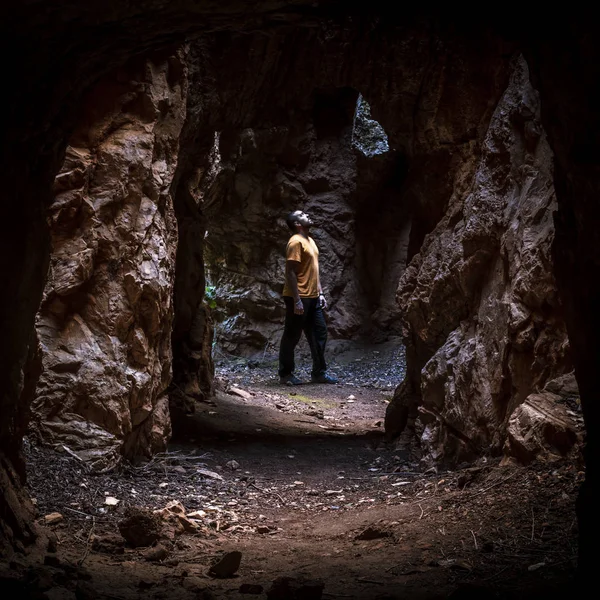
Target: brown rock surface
{"x": 227, "y": 565}
{"x": 269, "y": 153}
{"x": 141, "y": 526}
{"x": 479, "y": 301}
{"x": 541, "y": 427}
{"x": 105, "y": 320}
{"x": 175, "y": 520}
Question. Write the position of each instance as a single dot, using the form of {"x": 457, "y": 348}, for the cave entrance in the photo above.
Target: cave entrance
{"x": 302, "y": 460}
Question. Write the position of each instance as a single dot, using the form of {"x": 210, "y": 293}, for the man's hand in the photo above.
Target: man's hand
{"x": 298, "y": 307}
{"x": 322, "y": 301}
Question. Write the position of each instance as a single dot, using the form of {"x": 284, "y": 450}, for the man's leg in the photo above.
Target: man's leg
{"x": 292, "y": 330}
{"x": 315, "y": 330}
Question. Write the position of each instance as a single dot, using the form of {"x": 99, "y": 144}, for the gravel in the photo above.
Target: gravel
{"x": 379, "y": 366}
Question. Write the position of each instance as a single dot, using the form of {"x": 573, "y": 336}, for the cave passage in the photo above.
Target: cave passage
{"x": 453, "y": 267}
{"x": 332, "y": 160}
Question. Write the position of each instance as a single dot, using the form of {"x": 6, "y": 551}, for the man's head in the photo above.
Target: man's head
{"x": 298, "y": 219}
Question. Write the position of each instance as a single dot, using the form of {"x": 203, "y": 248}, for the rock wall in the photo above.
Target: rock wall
{"x": 104, "y": 324}
{"x": 480, "y": 307}
{"x": 275, "y": 152}
{"x": 192, "y": 336}
{"x": 567, "y": 76}
{"x": 265, "y": 173}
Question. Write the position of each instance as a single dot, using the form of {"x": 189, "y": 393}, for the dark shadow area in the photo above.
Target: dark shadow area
{"x": 334, "y": 111}
{"x": 257, "y": 436}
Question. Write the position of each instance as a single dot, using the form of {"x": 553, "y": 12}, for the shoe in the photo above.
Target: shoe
{"x": 289, "y": 380}
{"x": 324, "y": 379}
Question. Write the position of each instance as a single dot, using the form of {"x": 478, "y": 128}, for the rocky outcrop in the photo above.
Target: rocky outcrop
{"x": 480, "y": 306}
{"x": 104, "y": 324}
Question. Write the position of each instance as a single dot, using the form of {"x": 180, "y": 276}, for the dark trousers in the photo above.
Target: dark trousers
{"x": 312, "y": 322}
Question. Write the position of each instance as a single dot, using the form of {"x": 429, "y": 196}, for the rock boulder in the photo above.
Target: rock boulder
{"x": 105, "y": 321}
{"x": 480, "y": 308}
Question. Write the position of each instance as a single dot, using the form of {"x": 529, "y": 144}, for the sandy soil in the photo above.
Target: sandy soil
{"x": 301, "y": 482}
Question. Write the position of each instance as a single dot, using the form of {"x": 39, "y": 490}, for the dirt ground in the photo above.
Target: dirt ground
{"x": 301, "y": 482}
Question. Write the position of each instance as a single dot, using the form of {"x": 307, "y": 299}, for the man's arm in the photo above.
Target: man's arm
{"x": 291, "y": 275}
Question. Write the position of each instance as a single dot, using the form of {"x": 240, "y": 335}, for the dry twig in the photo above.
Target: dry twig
{"x": 88, "y": 544}
{"x": 474, "y": 539}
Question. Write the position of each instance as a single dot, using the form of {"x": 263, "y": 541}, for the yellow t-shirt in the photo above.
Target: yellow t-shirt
{"x": 305, "y": 251}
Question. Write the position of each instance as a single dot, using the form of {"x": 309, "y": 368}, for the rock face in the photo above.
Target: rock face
{"x": 276, "y": 152}
{"x": 104, "y": 324}
{"x": 480, "y": 306}
{"x": 265, "y": 173}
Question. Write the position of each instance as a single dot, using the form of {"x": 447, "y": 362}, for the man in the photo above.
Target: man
{"x": 304, "y": 303}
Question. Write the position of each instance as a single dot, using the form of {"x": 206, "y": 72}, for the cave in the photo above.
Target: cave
{"x": 147, "y": 148}
{"x": 259, "y": 174}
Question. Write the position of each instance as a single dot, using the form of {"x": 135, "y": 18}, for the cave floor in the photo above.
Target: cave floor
{"x": 302, "y": 483}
